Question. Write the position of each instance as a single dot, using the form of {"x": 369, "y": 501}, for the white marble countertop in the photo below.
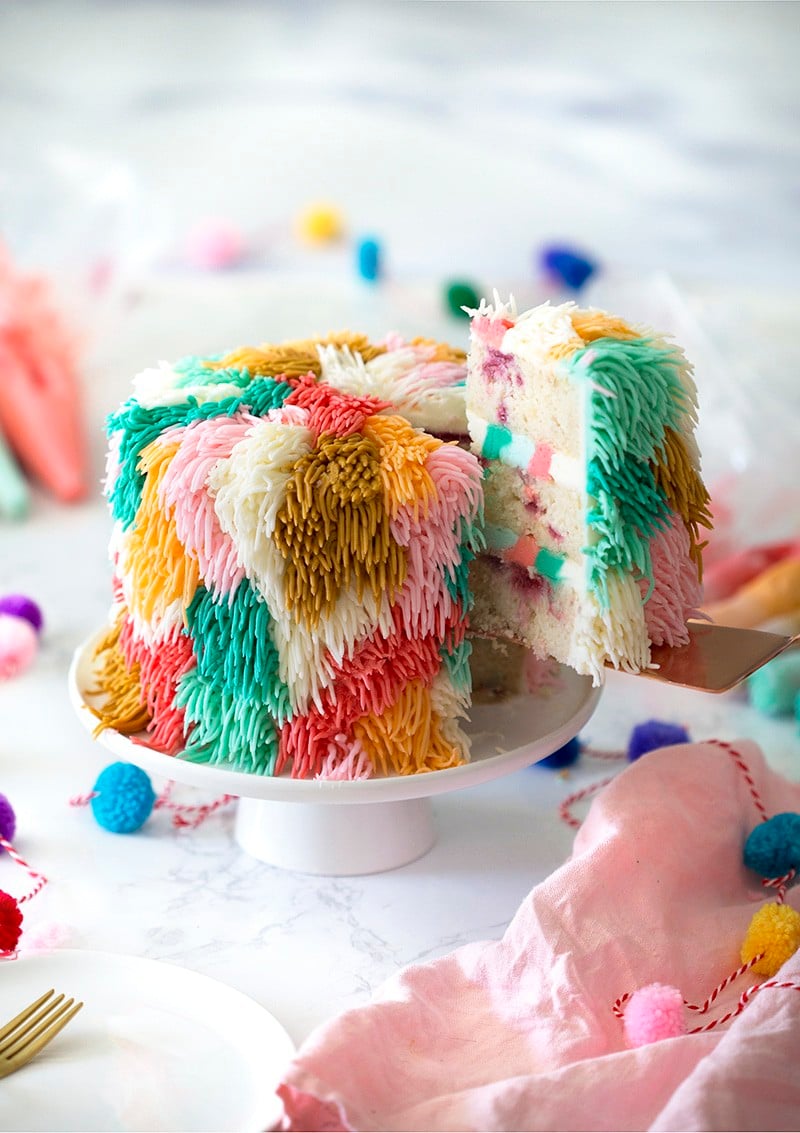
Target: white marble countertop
{"x": 662, "y": 138}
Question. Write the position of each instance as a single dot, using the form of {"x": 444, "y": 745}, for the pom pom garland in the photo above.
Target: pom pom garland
{"x": 652, "y": 1013}
{"x": 20, "y": 606}
{"x": 320, "y": 224}
{"x": 773, "y": 689}
{"x": 772, "y": 938}
{"x": 8, "y": 820}
{"x": 654, "y": 734}
{"x": 10, "y": 914}
{"x": 565, "y": 756}
{"x": 458, "y": 294}
{"x": 10, "y": 923}
{"x": 18, "y": 645}
{"x": 773, "y": 848}
{"x": 567, "y": 266}
{"x": 368, "y": 259}
{"x": 123, "y": 798}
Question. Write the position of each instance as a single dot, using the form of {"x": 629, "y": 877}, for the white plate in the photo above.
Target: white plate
{"x": 155, "y": 1047}
{"x": 506, "y": 736}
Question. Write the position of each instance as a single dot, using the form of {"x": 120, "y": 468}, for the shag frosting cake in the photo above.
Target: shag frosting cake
{"x": 291, "y": 560}
{"x": 305, "y": 549}
{"x": 593, "y": 495}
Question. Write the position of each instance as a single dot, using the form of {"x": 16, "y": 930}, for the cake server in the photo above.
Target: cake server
{"x": 716, "y": 657}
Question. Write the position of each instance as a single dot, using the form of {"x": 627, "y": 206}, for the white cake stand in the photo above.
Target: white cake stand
{"x": 367, "y": 826}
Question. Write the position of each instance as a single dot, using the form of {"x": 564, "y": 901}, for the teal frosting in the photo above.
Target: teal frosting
{"x": 626, "y": 433}
{"x": 499, "y": 538}
{"x": 222, "y": 729}
{"x": 233, "y": 644}
{"x": 497, "y": 438}
{"x": 195, "y": 371}
{"x": 139, "y": 426}
{"x": 472, "y": 542}
{"x": 457, "y": 664}
{"x": 549, "y": 564}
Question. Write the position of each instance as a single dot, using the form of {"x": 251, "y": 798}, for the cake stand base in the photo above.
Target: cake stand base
{"x": 342, "y": 840}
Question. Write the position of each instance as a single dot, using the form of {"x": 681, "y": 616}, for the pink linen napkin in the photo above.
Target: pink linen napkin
{"x": 519, "y": 1034}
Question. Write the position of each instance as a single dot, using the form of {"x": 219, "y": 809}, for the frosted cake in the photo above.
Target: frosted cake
{"x": 312, "y": 570}
{"x": 291, "y": 560}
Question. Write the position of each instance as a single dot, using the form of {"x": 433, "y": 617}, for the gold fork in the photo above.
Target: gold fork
{"x": 26, "y": 1034}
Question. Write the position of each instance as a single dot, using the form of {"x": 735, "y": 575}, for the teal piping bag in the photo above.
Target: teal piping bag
{"x": 14, "y": 494}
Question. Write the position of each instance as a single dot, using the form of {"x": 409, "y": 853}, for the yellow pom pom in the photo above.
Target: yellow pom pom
{"x": 320, "y": 224}
{"x": 775, "y": 932}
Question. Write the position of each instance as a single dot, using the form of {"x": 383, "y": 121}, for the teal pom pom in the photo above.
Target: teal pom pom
{"x": 654, "y": 734}
{"x": 123, "y": 798}
{"x": 773, "y": 848}
{"x": 368, "y": 259}
{"x": 773, "y": 688}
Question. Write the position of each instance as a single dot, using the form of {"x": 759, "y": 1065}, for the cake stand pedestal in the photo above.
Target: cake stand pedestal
{"x": 342, "y": 840}
{"x": 341, "y": 829}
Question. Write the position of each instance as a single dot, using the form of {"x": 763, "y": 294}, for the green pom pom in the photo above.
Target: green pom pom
{"x": 458, "y": 294}
{"x": 773, "y": 689}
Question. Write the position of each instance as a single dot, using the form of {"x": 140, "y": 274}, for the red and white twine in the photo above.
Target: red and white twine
{"x": 164, "y": 801}
{"x": 39, "y": 878}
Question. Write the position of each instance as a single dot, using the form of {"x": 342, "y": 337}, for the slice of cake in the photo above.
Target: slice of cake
{"x": 291, "y": 560}
{"x": 593, "y": 495}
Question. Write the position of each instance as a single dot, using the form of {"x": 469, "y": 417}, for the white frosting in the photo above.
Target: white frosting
{"x": 618, "y": 633}
{"x": 158, "y": 385}
{"x": 424, "y": 392}
{"x": 538, "y": 330}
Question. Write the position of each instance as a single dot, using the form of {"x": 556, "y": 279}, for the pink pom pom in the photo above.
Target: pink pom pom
{"x": 652, "y": 1013}
{"x": 214, "y": 244}
{"x": 18, "y": 642}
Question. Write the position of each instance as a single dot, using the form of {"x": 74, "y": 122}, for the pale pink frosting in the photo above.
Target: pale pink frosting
{"x": 677, "y": 593}
{"x": 203, "y": 444}
{"x": 424, "y": 602}
{"x": 490, "y": 331}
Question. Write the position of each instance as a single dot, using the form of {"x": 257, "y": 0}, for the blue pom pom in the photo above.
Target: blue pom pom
{"x": 773, "y": 848}
{"x": 124, "y": 798}
{"x": 8, "y": 820}
{"x": 654, "y": 734}
{"x": 568, "y": 266}
{"x": 369, "y": 259}
{"x": 564, "y": 757}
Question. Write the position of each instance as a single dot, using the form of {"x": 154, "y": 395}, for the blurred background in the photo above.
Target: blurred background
{"x": 190, "y": 176}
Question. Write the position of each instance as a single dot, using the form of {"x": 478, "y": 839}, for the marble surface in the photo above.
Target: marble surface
{"x": 661, "y": 137}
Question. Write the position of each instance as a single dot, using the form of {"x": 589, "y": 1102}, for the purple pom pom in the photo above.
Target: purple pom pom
{"x": 654, "y": 734}
{"x": 8, "y": 820}
{"x": 22, "y": 607}
{"x": 654, "y": 1012}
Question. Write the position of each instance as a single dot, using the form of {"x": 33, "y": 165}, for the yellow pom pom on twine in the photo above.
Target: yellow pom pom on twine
{"x": 320, "y": 224}
{"x": 774, "y": 933}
